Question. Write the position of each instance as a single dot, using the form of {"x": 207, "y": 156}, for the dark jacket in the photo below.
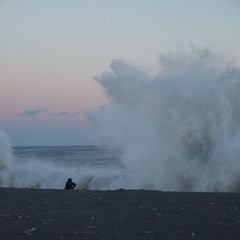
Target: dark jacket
{"x": 70, "y": 184}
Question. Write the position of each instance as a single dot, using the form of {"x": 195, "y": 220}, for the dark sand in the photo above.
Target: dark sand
{"x": 63, "y": 214}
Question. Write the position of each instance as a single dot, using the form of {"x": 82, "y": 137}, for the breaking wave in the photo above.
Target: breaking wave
{"x": 178, "y": 130}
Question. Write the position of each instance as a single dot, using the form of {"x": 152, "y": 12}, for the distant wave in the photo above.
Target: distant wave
{"x": 31, "y": 171}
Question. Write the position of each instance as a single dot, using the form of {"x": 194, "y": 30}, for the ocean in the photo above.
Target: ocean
{"x": 177, "y": 130}
{"x": 90, "y": 167}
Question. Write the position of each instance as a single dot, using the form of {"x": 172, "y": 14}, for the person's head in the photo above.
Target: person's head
{"x": 69, "y": 180}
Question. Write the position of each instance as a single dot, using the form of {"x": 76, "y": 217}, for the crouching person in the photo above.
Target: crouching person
{"x": 70, "y": 184}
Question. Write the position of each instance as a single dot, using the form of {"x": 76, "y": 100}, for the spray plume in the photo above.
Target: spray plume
{"x": 178, "y": 130}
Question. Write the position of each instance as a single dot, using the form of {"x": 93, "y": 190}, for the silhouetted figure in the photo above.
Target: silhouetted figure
{"x": 70, "y": 184}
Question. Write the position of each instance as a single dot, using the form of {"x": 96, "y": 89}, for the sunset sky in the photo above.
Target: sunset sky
{"x": 51, "y": 51}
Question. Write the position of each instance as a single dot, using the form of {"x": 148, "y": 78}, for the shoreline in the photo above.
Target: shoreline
{"x": 115, "y": 190}
{"x": 117, "y": 214}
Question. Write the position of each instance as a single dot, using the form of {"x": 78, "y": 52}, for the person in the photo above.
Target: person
{"x": 70, "y": 184}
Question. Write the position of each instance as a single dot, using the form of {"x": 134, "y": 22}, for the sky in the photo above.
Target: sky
{"x": 51, "y": 51}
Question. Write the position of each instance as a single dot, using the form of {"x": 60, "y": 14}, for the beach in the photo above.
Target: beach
{"x": 120, "y": 214}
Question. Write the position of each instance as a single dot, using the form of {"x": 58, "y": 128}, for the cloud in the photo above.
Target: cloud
{"x": 59, "y": 114}
{"x": 75, "y": 114}
{"x": 33, "y": 112}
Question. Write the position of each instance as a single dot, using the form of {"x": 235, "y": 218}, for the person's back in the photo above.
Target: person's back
{"x": 70, "y": 184}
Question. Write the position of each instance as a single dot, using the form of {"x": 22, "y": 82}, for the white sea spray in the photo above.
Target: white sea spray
{"x": 178, "y": 130}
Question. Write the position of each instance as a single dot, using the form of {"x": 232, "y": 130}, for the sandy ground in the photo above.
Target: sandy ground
{"x": 121, "y": 214}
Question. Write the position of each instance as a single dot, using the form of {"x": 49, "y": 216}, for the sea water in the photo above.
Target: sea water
{"x": 90, "y": 167}
{"x": 175, "y": 130}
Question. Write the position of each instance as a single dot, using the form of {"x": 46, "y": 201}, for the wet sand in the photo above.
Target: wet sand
{"x": 122, "y": 214}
